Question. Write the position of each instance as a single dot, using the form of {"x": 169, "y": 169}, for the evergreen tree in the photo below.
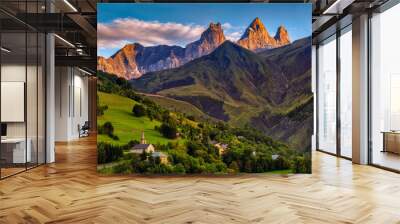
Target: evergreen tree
{"x": 138, "y": 110}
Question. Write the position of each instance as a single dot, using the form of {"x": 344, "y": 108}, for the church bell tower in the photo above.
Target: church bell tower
{"x": 143, "y": 140}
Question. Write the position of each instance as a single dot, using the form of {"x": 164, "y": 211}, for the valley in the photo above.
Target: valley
{"x": 243, "y": 87}
{"x": 203, "y": 146}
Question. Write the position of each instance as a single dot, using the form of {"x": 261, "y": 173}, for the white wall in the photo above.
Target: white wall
{"x": 17, "y": 73}
{"x": 13, "y": 73}
{"x": 80, "y": 110}
{"x": 33, "y": 126}
{"x": 61, "y": 103}
{"x": 71, "y": 102}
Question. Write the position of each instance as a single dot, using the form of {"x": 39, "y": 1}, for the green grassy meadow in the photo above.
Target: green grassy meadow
{"x": 126, "y": 126}
{"x": 176, "y": 105}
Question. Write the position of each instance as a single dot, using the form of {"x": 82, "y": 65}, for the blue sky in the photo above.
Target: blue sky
{"x": 178, "y": 24}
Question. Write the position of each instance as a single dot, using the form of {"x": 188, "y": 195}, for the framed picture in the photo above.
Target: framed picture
{"x": 190, "y": 88}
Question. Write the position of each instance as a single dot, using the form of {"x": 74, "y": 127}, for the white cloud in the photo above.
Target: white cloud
{"x": 232, "y": 33}
{"x": 234, "y": 36}
{"x": 148, "y": 33}
{"x": 226, "y": 26}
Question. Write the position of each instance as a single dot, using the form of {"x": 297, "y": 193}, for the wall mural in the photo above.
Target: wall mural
{"x": 204, "y": 88}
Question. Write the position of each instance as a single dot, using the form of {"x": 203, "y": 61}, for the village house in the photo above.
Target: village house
{"x": 163, "y": 157}
{"x": 221, "y": 147}
{"x": 275, "y": 156}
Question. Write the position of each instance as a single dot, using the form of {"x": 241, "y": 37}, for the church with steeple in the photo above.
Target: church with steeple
{"x": 149, "y": 148}
{"x": 143, "y": 146}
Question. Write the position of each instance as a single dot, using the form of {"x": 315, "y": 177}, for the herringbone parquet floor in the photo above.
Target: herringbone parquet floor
{"x": 70, "y": 191}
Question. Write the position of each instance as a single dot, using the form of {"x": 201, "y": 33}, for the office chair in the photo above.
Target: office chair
{"x": 84, "y": 130}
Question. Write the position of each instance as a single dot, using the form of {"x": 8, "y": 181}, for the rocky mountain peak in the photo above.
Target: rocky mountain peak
{"x": 215, "y": 26}
{"x": 256, "y": 37}
{"x": 210, "y": 39}
{"x": 281, "y": 30}
{"x": 214, "y": 35}
{"x": 128, "y": 49}
{"x": 123, "y": 62}
{"x": 255, "y": 27}
{"x": 282, "y": 36}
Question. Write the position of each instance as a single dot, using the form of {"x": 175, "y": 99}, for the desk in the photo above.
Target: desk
{"x": 391, "y": 141}
{"x": 13, "y": 150}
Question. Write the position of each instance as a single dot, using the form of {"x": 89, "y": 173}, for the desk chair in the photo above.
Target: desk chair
{"x": 84, "y": 130}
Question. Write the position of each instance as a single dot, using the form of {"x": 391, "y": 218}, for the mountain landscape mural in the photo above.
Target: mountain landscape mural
{"x": 233, "y": 98}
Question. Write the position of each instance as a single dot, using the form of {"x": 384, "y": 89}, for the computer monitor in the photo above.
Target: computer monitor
{"x": 3, "y": 130}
